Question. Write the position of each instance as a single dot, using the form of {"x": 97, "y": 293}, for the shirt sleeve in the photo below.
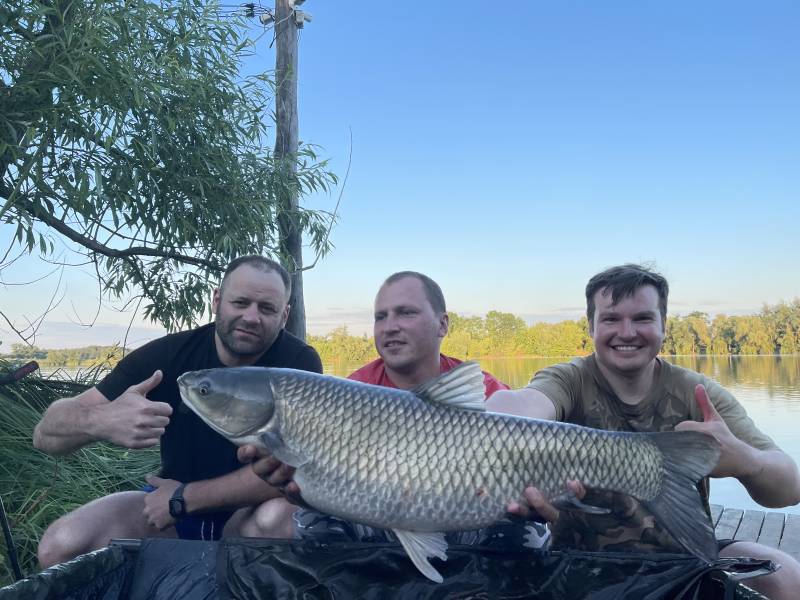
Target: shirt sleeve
{"x": 561, "y": 384}
{"x": 492, "y": 384}
{"x": 308, "y": 360}
{"x": 134, "y": 368}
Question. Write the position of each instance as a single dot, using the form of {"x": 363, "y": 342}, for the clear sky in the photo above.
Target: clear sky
{"x": 512, "y": 151}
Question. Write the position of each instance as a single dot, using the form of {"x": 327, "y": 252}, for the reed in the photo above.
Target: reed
{"x": 36, "y": 488}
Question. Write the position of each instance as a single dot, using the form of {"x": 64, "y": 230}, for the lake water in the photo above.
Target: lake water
{"x": 767, "y": 386}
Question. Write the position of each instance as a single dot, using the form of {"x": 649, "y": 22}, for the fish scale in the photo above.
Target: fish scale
{"x": 395, "y": 428}
{"x": 431, "y": 460}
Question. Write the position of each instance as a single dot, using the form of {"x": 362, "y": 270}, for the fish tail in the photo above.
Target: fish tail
{"x": 688, "y": 457}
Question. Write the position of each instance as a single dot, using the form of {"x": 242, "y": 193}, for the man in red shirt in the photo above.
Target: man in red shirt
{"x": 410, "y": 323}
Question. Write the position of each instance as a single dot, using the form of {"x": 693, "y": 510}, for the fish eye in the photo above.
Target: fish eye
{"x": 204, "y": 389}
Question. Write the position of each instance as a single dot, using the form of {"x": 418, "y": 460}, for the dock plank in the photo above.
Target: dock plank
{"x": 750, "y": 526}
{"x": 790, "y": 541}
{"x": 772, "y": 529}
{"x": 728, "y": 523}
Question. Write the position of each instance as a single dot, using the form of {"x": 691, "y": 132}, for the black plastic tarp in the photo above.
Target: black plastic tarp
{"x": 265, "y": 569}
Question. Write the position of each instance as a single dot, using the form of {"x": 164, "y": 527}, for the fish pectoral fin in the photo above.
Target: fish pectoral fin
{"x": 275, "y": 444}
{"x": 461, "y": 387}
{"x": 420, "y": 546}
{"x": 567, "y": 500}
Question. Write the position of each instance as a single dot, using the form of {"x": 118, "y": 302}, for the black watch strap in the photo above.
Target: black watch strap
{"x": 177, "y": 505}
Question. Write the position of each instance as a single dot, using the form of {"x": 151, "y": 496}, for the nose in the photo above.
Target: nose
{"x": 391, "y": 323}
{"x": 250, "y": 314}
{"x": 627, "y": 328}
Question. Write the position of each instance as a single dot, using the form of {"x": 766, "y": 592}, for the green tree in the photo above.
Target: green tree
{"x": 128, "y": 134}
{"x": 722, "y": 336}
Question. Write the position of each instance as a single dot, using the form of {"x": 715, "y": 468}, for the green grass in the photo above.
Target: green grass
{"x": 36, "y": 488}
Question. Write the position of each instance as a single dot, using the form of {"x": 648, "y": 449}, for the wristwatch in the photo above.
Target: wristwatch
{"x": 177, "y": 505}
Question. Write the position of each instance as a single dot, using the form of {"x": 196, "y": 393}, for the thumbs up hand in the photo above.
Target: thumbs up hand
{"x": 737, "y": 459}
{"x": 133, "y": 421}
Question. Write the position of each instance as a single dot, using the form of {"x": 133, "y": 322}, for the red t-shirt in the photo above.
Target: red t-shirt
{"x": 375, "y": 373}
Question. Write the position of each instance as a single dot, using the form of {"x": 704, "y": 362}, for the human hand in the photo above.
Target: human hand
{"x": 736, "y": 458}
{"x": 536, "y": 504}
{"x": 156, "y": 503}
{"x": 271, "y": 470}
{"x": 133, "y": 421}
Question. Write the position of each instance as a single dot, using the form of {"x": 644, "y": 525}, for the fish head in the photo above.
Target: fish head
{"x": 236, "y": 402}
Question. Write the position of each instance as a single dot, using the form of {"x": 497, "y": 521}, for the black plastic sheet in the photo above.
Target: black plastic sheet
{"x": 272, "y": 569}
{"x": 266, "y": 569}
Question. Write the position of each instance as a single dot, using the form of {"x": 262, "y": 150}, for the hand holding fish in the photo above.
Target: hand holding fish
{"x": 537, "y": 504}
{"x": 156, "y": 503}
{"x": 736, "y": 458}
{"x": 133, "y": 421}
{"x": 271, "y": 470}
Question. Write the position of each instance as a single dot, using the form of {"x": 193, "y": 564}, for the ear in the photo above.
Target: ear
{"x": 285, "y": 316}
{"x": 215, "y": 300}
{"x": 444, "y": 325}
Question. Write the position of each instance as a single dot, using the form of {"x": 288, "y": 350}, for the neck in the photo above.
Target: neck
{"x": 420, "y": 374}
{"x": 631, "y": 388}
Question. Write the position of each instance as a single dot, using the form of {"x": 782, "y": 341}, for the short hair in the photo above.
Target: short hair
{"x": 432, "y": 290}
{"x": 261, "y": 263}
{"x": 623, "y": 281}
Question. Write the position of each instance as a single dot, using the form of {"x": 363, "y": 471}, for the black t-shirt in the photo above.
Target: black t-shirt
{"x": 190, "y": 450}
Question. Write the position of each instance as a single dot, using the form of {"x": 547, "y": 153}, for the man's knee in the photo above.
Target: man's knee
{"x": 60, "y": 543}
{"x": 780, "y": 585}
{"x": 271, "y": 519}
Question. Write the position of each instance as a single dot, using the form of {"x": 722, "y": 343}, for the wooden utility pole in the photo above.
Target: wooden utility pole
{"x": 287, "y": 19}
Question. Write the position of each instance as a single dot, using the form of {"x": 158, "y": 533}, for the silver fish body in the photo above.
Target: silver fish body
{"x": 430, "y": 461}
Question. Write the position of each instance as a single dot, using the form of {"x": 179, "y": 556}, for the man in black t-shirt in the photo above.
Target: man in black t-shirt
{"x": 202, "y": 488}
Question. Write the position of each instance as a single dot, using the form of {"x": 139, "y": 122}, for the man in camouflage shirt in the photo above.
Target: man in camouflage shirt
{"x": 624, "y": 386}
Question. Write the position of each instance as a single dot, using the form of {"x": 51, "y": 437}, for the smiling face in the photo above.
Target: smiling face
{"x": 627, "y": 335}
{"x": 251, "y": 308}
{"x": 408, "y": 332}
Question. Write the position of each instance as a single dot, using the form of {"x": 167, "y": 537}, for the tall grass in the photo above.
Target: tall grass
{"x": 37, "y": 488}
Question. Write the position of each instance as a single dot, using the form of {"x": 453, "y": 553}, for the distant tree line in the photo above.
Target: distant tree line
{"x": 775, "y": 330}
{"x": 70, "y": 358}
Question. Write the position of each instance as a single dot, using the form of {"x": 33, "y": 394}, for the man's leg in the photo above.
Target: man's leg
{"x": 92, "y": 525}
{"x": 270, "y": 519}
{"x": 783, "y": 584}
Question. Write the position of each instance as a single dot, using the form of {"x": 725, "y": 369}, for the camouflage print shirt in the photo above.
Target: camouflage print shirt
{"x": 582, "y": 395}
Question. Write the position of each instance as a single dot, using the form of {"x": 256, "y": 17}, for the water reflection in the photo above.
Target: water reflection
{"x": 767, "y": 386}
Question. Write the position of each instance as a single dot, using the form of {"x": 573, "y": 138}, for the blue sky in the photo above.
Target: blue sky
{"x": 511, "y": 152}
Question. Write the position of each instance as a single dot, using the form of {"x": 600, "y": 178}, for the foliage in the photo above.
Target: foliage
{"x": 71, "y": 358}
{"x": 340, "y": 348}
{"x": 37, "y": 488}
{"x": 775, "y": 330}
{"x": 128, "y": 135}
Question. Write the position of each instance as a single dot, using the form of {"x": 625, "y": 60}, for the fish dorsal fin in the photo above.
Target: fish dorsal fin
{"x": 461, "y": 387}
{"x": 422, "y": 545}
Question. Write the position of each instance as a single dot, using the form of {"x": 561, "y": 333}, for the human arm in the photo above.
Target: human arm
{"x": 525, "y": 402}
{"x": 131, "y": 421}
{"x": 236, "y": 489}
{"x": 770, "y": 476}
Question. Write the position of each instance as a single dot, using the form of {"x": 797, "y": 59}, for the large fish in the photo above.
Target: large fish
{"x": 432, "y": 460}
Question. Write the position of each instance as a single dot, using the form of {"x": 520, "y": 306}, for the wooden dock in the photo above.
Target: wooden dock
{"x": 773, "y": 529}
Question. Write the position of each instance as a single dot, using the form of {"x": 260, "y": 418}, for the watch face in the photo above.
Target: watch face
{"x": 176, "y": 507}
